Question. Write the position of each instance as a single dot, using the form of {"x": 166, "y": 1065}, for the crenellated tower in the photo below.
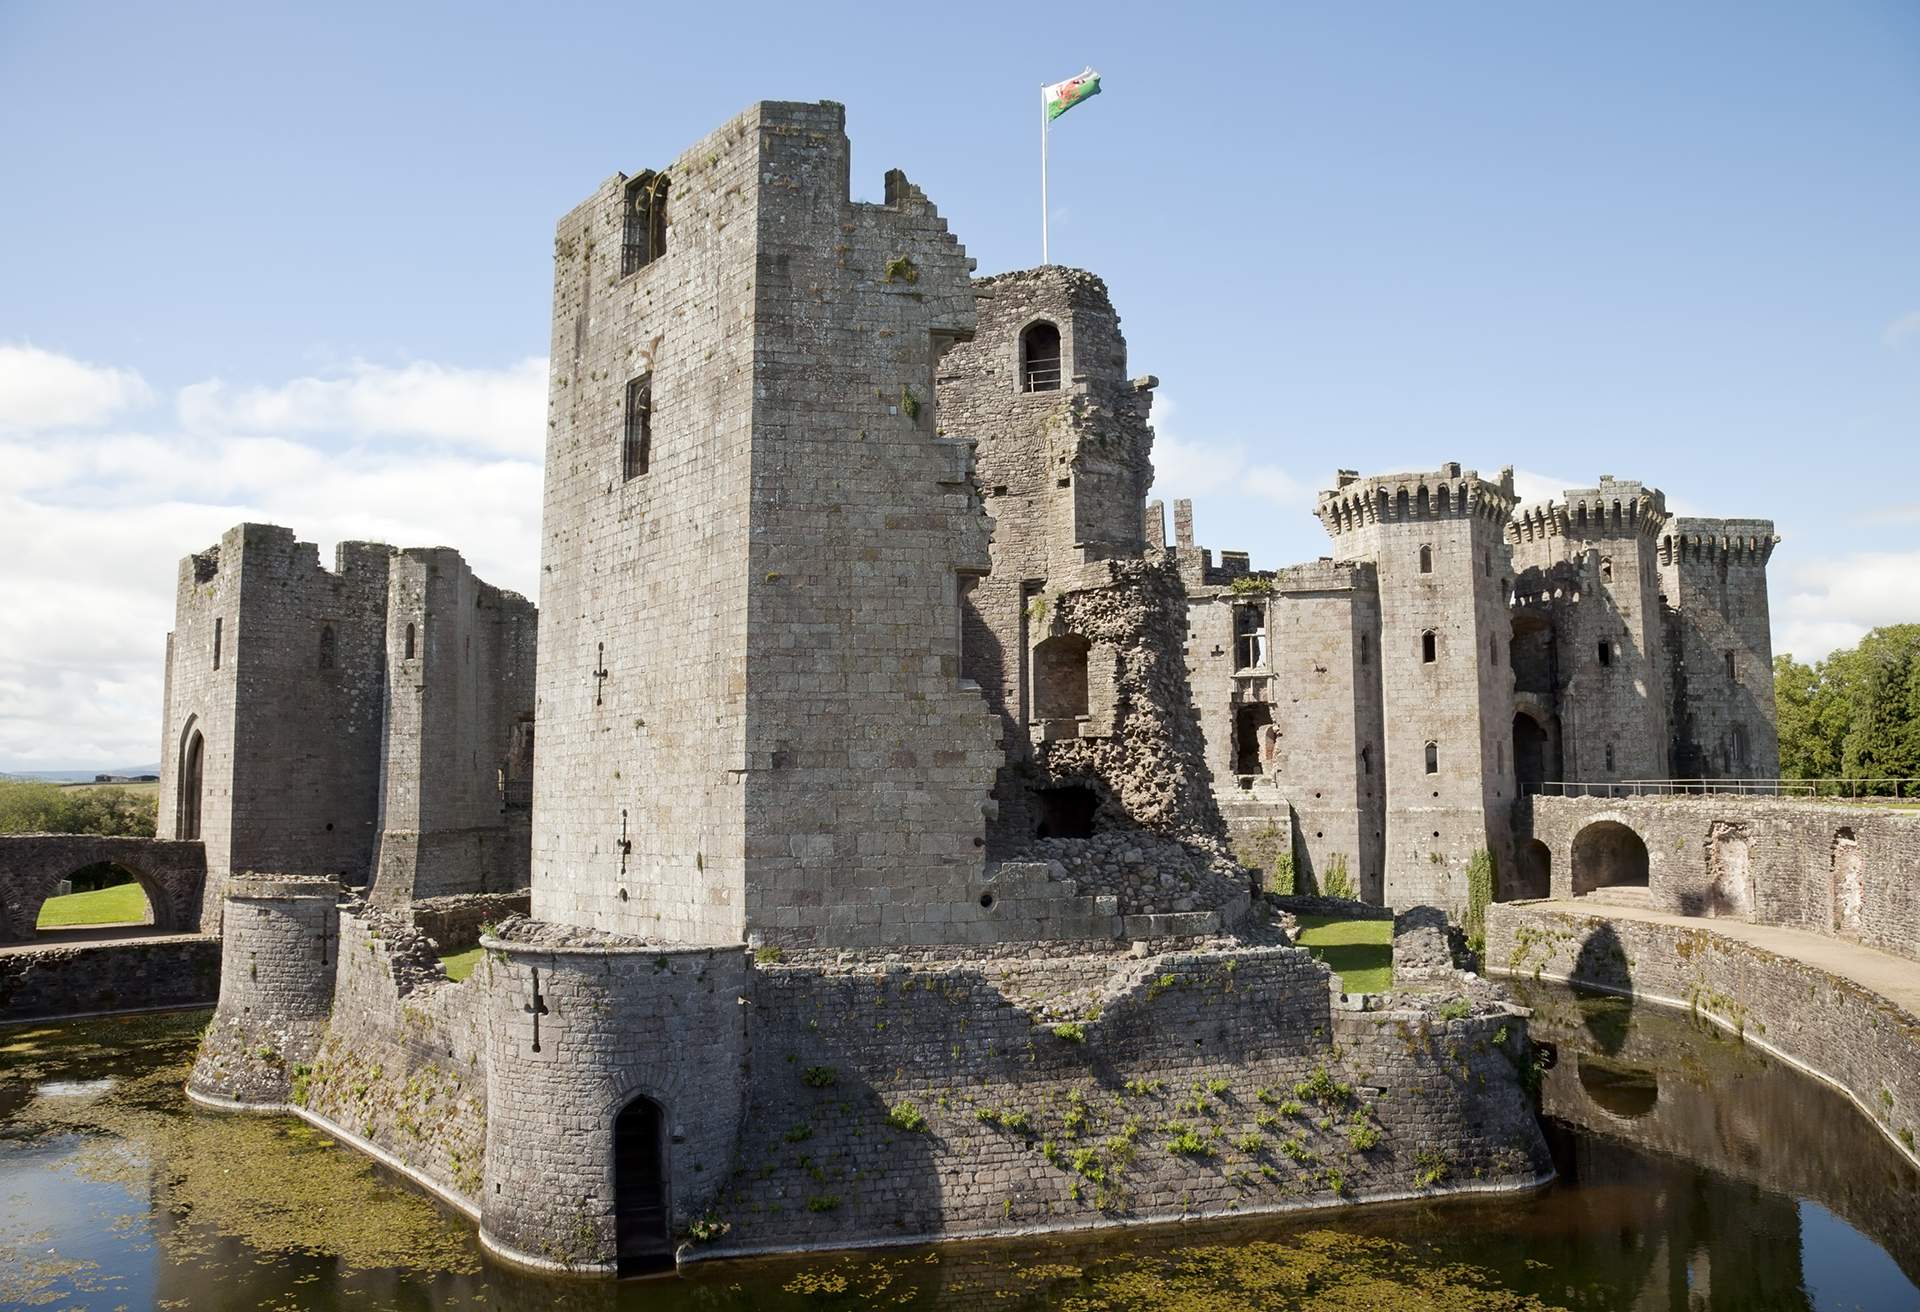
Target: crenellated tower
{"x": 1589, "y": 672}
{"x": 1713, "y": 577}
{"x": 1439, "y": 546}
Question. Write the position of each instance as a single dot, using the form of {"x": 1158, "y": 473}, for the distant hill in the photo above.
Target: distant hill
{"x": 80, "y": 776}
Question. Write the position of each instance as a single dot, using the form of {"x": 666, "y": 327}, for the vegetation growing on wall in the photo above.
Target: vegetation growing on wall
{"x": 1479, "y": 895}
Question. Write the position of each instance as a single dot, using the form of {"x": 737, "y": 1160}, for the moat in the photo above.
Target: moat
{"x": 1695, "y": 1173}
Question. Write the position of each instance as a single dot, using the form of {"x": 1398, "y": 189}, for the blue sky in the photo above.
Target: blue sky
{"x": 264, "y": 263}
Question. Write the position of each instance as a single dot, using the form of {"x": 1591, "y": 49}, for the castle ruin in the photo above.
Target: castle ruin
{"x": 898, "y": 786}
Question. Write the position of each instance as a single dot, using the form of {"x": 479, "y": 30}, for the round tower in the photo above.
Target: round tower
{"x": 616, "y": 1075}
{"x": 278, "y": 955}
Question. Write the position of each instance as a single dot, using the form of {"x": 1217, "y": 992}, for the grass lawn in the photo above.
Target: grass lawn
{"x": 123, "y": 904}
{"x": 1360, "y": 952}
{"x": 460, "y": 964}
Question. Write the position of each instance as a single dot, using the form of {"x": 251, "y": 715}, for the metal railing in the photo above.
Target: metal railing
{"x": 1844, "y": 790}
{"x": 1041, "y": 378}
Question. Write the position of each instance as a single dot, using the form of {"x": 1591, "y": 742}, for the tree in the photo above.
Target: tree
{"x": 1854, "y": 715}
{"x": 31, "y": 807}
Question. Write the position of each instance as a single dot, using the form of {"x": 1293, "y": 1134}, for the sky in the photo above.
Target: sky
{"x": 260, "y": 262}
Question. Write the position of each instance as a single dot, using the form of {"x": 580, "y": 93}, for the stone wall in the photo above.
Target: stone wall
{"x": 403, "y": 1066}
{"x": 171, "y": 874}
{"x": 454, "y": 923}
{"x": 59, "y": 981}
{"x": 1832, "y": 868}
{"x": 461, "y": 656}
{"x": 1843, "y": 1033}
{"x": 892, "y": 1104}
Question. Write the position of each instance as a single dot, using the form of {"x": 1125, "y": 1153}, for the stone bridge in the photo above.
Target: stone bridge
{"x": 172, "y": 874}
{"x": 1848, "y": 870}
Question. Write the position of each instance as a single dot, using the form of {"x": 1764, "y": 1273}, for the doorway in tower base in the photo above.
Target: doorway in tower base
{"x": 641, "y": 1218}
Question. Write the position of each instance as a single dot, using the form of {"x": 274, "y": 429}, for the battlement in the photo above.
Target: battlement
{"x": 1446, "y": 493}
{"x": 1615, "y": 509}
{"x": 1748, "y": 542}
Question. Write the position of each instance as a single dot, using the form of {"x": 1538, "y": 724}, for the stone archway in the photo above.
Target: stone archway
{"x": 171, "y": 874}
{"x": 1607, "y": 854}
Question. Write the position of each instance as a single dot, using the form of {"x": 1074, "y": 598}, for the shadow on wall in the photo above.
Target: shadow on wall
{"x": 1603, "y": 961}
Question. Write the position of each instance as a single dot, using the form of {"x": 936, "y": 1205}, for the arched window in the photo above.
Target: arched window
{"x": 409, "y": 642}
{"x": 1040, "y": 358}
{"x": 1400, "y": 505}
{"x": 1426, "y": 559}
{"x": 637, "y": 445}
{"x": 1363, "y": 649}
{"x": 1429, "y": 647}
{"x": 643, "y": 236}
{"x": 192, "y": 770}
{"x": 1606, "y": 568}
{"x": 1433, "y": 758}
{"x": 326, "y": 646}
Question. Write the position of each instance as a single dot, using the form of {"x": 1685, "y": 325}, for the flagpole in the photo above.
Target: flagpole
{"x": 1043, "y": 177}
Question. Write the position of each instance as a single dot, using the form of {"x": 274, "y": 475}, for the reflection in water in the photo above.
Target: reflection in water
{"x": 1678, "y": 1193}
{"x": 1626, "y": 1091}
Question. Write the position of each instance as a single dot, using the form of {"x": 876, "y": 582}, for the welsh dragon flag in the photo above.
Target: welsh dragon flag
{"x": 1063, "y": 96}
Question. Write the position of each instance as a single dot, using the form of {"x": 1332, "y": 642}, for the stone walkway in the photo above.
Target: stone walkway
{"x": 1894, "y": 978}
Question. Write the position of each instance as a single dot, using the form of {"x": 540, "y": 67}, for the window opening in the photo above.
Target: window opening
{"x": 1249, "y": 637}
{"x": 409, "y": 642}
{"x": 1606, "y": 652}
{"x": 217, "y": 625}
{"x": 1426, "y": 559}
{"x": 1429, "y": 647}
{"x": 637, "y": 449}
{"x": 326, "y": 646}
{"x": 1040, "y": 358}
{"x": 1433, "y": 758}
{"x": 643, "y": 237}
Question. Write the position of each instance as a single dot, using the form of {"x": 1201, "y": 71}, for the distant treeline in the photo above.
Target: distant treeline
{"x": 31, "y": 807}
{"x": 1854, "y": 715}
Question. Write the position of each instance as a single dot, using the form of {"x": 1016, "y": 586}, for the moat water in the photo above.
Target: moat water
{"x": 1696, "y": 1173}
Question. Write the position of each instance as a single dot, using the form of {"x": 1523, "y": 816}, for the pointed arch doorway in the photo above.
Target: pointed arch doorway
{"x": 641, "y": 1219}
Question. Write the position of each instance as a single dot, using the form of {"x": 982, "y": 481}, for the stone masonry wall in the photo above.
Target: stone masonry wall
{"x": 892, "y": 1104}
{"x": 403, "y": 1062}
{"x": 1846, "y": 1034}
{"x": 55, "y": 981}
{"x": 869, "y": 759}
{"x": 462, "y": 660}
{"x": 1832, "y": 868}
{"x": 171, "y": 874}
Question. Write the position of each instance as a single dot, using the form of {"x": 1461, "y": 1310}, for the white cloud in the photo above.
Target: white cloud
{"x": 501, "y": 410}
{"x": 1191, "y": 469}
{"x": 1833, "y": 602}
{"x": 1904, "y": 329}
{"x": 39, "y": 390}
{"x": 92, "y": 526}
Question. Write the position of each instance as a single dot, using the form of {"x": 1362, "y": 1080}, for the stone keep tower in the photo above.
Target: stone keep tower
{"x": 1592, "y": 563}
{"x": 1438, "y": 543}
{"x": 751, "y": 710}
{"x": 1713, "y": 575}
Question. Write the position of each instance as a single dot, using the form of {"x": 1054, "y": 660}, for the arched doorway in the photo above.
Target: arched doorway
{"x": 640, "y": 1213}
{"x": 1536, "y": 752}
{"x": 192, "y": 758}
{"x": 1607, "y": 854}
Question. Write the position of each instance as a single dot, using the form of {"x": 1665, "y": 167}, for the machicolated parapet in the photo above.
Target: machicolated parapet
{"x": 277, "y": 970}
{"x": 1438, "y": 542}
{"x": 616, "y": 1071}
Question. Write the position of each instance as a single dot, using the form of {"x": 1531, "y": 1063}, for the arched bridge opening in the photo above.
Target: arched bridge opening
{"x": 1607, "y": 854}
